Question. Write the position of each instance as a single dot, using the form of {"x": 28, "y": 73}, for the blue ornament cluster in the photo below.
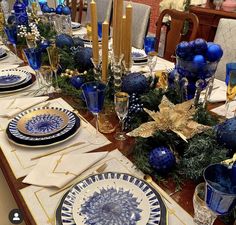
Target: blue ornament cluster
{"x": 135, "y": 106}
{"x": 60, "y": 9}
{"x": 225, "y": 133}
{"x": 196, "y": 60}
{"x": 162, "y": 159}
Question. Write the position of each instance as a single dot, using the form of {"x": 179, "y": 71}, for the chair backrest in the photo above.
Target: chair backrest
{"x": 174, "y": 34}
{"x": 76, "y": 9}
{"x": 104, "y": 8}
{"x": 225, "y": 37}
{"x": 141, "y": 17}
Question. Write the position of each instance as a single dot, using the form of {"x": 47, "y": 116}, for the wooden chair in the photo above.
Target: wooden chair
{"x": 225, "y": 37}
{"x": 76, "y": 9}
{"x": 174, "y": 34}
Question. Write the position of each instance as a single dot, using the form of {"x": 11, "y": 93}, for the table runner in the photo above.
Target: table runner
{"x": 42, "y": 206}
{"x": 19, "y": 158}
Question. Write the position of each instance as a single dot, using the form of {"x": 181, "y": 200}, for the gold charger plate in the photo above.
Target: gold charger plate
{"x": 42, "y": 122}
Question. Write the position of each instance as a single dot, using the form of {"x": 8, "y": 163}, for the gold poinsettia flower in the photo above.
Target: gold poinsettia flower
{"x": 177, "y": 118}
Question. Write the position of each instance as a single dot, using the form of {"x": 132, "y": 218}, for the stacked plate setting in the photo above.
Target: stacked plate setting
{"x": 3, "y": 53}
{"x": 13, "y": 80}
{"x": 139, "y": 57}
{"x": 111, "y": 198}
{"x": 41, "y": 127}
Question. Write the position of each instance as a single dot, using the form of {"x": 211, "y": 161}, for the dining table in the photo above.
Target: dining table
{"x": 35, "y": 202}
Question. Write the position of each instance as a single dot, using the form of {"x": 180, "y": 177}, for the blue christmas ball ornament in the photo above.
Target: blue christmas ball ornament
{"x": 200, "y": 46}
{"x": 134, "y": 83}
{"x": 44, "y": 44}
{"x": 214, "y": 52}
{"x": 199, "y": 60}
{"x": 52, "y": 10}
{"x": 46, "y": 9}
{"x": 82, "y": 58}
{"x": 162, "y": 159}
{"x": 59, "y": 9}
{"x": 183, "y": 49}
{"x": 78, "y": 42}
{"x": 77, "y": 81}
{"x": 226, "y": 132}
{"x": 64, "y": 40}
{"x": 66, "y": 10}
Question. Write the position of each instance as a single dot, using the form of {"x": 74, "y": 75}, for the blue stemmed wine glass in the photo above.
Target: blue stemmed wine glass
{"x": 149, "y": 44}
{"x": 33, "y": 56}
{"x": 94, "y": 94}
{"x": 11, "y": 32}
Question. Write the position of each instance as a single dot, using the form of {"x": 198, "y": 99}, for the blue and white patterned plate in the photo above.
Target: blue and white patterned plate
{"x": 14, "y": 131}
{"x": 114, "y": 199}
{"x": 43, "y": 122}
{"x": 138, "y": 55}
{"x": 11, "y": 77}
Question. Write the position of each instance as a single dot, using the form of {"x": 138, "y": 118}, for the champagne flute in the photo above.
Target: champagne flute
{"x": 94, "y": 94}
{"x": 121, "y": 100}
{"x": 53, "y": 55}
{"x": 231, "y": 91}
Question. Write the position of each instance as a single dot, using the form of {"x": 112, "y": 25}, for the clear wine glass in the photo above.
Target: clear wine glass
{"x": 94, "y": 94}
{"x": 53, "y": 56}
{"x": 121, "y": 100}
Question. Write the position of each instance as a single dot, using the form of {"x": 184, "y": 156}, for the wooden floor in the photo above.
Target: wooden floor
{"x": 7, "y": 202}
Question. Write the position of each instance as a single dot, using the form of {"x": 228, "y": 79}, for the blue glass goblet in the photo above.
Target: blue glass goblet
{"x": 149, "y": 44}
{"x": 94, "y": 93}
{"x": 11, "y": 32}
{"x": 100, "y": 29}
{"x": 33, "y": 56}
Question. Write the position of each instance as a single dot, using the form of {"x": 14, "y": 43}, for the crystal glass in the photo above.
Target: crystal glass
{"x": 202, "y": 214}
{"x": 33, "y": 56}
{"x": 11, "y": 32}
{"x": 149, "y": 44}
{"x": 121, "y": 100}
{"x": 152, "y": 60}
{"x": 47, "y": 75}
{"x": 94, "y": 94}
{"x": 89, "y": 32}
{"x": 53, "y": 56}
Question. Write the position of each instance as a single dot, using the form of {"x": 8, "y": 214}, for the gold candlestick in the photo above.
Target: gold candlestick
{"x": 128, "y": 37}
{"x": 94, "y": 23}
{"x": 105, "y": 34}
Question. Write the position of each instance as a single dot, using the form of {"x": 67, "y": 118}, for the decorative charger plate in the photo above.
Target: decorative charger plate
{"x": 11, "y": 77}
{"x": 114, "y": 199}
{"x": 28, "y": 82}
{"x": 15, "y": 136}
{"x": 138, "y": 55}
{"x": 75, "y": 25}
{"x": 3, "y": 56}
{"x": 43, "y": 122}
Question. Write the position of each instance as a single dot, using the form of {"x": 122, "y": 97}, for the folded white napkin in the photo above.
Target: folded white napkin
{"x": 11, "y": 107}
{"x": 57, "y": 171}
{"x": 8, "y": 66}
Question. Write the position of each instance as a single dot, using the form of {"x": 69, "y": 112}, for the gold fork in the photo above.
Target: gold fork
{"x": 100, "y": 169}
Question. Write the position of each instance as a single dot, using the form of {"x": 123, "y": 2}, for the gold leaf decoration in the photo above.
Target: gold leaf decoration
{"x": 176, "y": 118}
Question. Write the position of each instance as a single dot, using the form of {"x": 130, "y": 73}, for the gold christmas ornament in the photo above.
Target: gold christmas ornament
{"x": 176, "y": 118}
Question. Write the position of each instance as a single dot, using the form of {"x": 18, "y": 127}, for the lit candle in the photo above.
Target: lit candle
{"x": 105, "y": 34}
{"x": 128, "y": 35}
{"x": 123, "y": 30}
{"x": 94, "y": 25}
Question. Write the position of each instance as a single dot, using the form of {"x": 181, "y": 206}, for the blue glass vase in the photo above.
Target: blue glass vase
{"x": 20, "y": 13}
